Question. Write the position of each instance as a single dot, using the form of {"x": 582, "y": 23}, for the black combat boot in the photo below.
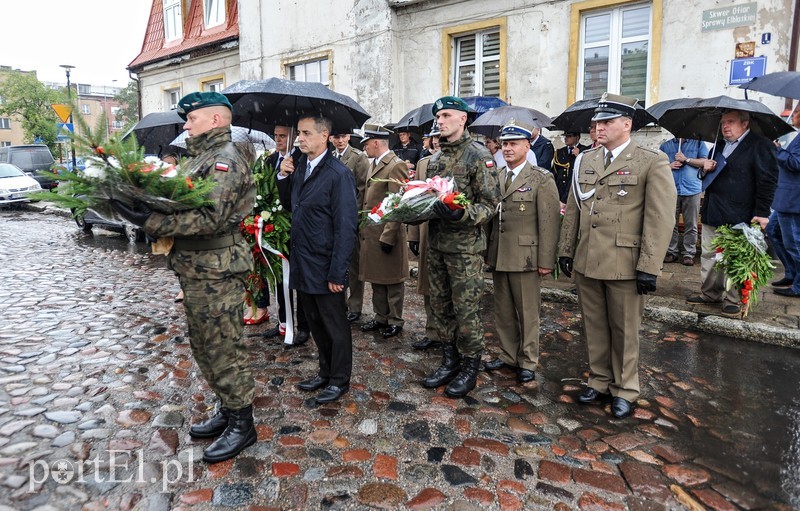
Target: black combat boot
{"x": 447, "y": 370}
{"x": 465, "y": 381}
{"x": 240, "y": 433}
{"x": 212, "y": 427}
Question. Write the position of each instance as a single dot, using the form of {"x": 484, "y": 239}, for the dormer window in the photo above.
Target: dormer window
{"x": 213, "y": 13}
{"x": 173, "y": 27}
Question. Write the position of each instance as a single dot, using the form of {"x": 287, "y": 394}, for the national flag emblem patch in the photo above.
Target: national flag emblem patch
{"x": 222, "y": 167}
{"x": 489, "y": 163}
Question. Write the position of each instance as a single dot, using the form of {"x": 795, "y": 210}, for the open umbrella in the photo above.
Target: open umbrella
{"x": 263, "y": 104}
{"x": 784, "y": 84}
{"x": 490, "y": 123}
{"x": 658, "y": 109}
{"x": 483, "y": 104}
{"x": 701, "y": 119}
{"x": 418, "y": 120}
{"x": 155, "y": 130}
{"x": 238, "y": 134}
{"x": 578, "y": 116}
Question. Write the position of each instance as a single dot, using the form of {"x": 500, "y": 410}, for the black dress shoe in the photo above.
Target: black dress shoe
{"x": 784, "y": 282}
{"x": 590, "y": 395}
{"x": 315, "y": 383}
{"x": 621, "y": 408}
{"x": 272, "y": 332}
{"x": 525, "y": 375}
{"x": 332, "y": 393}
{"x": 391, "y": 331}
{"x": 301, "y": 338}
{"x": 371, "y": 325}
{"x": 786, "y": 291}
{"x": 425, "y": 343}
{"x": 353, "y": 316}
{"x": 495, "y": 364}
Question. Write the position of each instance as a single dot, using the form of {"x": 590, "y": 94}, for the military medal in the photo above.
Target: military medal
{"x": 522, "y": 207}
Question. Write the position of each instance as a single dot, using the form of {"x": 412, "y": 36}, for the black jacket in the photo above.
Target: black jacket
{"x": 324, "y": 220}
{"x": 543, "y": 149}
{"x": 745, "y": 186}
{"x": 563, "y": 164}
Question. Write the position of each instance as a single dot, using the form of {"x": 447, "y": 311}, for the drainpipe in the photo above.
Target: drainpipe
{"x": 793, "y": 48}
{"x": 139, "y": 91}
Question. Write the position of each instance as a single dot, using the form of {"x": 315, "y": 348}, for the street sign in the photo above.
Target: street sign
{"x": 62, "y": 111}
{"x": 744, "y": 70}
{"x": 63, "y": 130}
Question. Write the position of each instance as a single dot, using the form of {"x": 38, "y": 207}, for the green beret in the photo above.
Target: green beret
{"x": 196, "y": 100}
{"x": 452, "y": 103}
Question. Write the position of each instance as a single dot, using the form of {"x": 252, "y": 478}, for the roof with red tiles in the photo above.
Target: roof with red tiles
{"x": 195, "y": 35}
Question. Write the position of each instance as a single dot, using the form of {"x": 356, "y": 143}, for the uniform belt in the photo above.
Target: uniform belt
{"x": 225, "y": 241}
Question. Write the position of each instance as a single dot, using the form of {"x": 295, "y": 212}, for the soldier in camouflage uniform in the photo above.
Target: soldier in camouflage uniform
{"x": 456, "y": 242}
{"x": 212, "y": 262}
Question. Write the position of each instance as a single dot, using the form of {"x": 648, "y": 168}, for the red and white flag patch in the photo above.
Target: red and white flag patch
{"x": 222, "y": 167}
{"x": 489, "y": 163}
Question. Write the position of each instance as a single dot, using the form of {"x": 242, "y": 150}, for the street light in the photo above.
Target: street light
{"x": 67, "y": 67}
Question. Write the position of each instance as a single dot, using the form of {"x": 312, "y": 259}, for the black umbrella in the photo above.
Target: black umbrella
{"x": 483, "y": 104}
{"x": 490, "y": 123}
{"x": 263, "y": 104}
{"x": 658, "y": 109}
{"x": 156, "y": 130}
{"x": 578, "y": 116}
{"x": 784, "y": 84}
{"x": 418, "y": 120}
{"x": 701, "y": 119}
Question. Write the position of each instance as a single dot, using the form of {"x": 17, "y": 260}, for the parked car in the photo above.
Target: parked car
{"x": 92, "y": 217}
{"x": 15, "y": 185}
{"x": 34, "y": 159}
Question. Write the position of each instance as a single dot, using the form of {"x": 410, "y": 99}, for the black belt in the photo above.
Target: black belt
{"x": 194, "y": 244}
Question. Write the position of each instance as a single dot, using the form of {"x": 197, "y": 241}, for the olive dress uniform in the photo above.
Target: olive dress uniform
{"x": 618, "y": 222}
{"x": 358, "y": 163}
{"x": 386, "y": 272}
{"x": 523, "y": 237}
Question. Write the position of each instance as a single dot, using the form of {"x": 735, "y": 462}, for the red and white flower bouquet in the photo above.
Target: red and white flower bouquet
{"x": 415, "y": 200}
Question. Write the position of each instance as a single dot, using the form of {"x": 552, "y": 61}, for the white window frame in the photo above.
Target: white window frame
{"x": 5, "y": 123}
{"x": 293, "y": 70}
{"x": 171, "y": 98}
{"x": 85, "y": 109}
{"x": 615, "y": 44}
{"x": 5, "y": 144}
{"x": 213, "y": 13}
{"x": 479, "y": 61}
{"x": 173, "y": 20}
{"x": 214, "y": 85}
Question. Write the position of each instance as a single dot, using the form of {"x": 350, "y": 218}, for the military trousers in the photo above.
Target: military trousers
{"x": 612, "y": 314}
{"x": 456, "y": 287}
{"x": 355, "y": 298}
{"x": 214, "y": 317}
{"x": 430, "y": 331}
{"x": 517, "y": 299}
{"x": 387, "y": 302}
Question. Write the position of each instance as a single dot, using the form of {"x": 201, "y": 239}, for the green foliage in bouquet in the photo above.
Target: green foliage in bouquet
{"x": 741, "y": 254}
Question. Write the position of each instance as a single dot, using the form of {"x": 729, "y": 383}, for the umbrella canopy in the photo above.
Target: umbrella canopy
{"x": 155, "y": 130}
{"x": 658, "y": 109}
{"x": 785, "y": 84}
{"x": 483, "y": 104}
{"x": 578, "y": 116}
{"x": 419, "y": 119}
{"x": 490, "y": 123}
{"x": 263, "y": 104}
{"x": 701, "y": 119}
{"x": 238, "y": 134}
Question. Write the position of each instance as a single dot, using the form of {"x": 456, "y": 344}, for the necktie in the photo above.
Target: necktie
{"x": 338, "y": 156}
{"x": 280, "y": 160}
{"x": 509, "y": 179}
{"x": 308, "y": 171}
{"x": 608, "y": 159}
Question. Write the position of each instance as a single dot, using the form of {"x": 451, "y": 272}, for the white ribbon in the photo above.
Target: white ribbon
{"x": 287, "y": 302}
{"x": 579, "y": 195}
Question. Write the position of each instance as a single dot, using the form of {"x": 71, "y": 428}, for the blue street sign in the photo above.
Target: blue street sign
{"x": 766, "y": 37}
{"x": 744, "y": 70}
{"x": 63, "y": 129}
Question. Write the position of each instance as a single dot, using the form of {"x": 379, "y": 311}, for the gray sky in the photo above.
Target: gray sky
{"x": 99, "y": 37}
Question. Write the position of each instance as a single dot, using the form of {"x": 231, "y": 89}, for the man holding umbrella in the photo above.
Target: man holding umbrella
{"x": 618, "y": 222}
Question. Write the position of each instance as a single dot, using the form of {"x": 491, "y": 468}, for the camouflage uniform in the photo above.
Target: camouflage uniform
{"x": 455, "y": 255}
{"x": 212, "y": 262}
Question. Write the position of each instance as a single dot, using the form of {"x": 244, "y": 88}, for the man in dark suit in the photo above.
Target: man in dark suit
{"x": 563, "y": 162}
{"x": 739, "y": 184}
{"x": 322, "y": 199}
{"x": 407, "y": 150}
{"x": 281, "y": 136}
{"x": 543, "y": 149}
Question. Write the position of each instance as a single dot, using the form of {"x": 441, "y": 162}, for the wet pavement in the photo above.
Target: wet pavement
{"x": 98, "y": 388}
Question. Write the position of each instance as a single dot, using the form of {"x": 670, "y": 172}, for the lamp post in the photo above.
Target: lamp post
{"x": 67, "y": 68}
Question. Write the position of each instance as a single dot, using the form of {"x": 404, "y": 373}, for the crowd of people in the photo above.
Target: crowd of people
{"x": 605, "y": 215}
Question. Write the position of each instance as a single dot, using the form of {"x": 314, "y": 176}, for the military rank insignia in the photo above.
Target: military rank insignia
{"x": 222, "y": 167}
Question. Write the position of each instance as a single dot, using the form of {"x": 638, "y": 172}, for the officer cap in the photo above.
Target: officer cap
{"x": 516, "y": 131}
{"x": 572, "y": 134}
{"x": 196, "y": 100}
{"x": 612, "y": 106}
{"x": 453, "y": 103}
{"x": 376, "y": 131}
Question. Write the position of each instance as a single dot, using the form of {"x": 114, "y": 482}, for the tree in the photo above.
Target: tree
{"x": 29, "y": 100}
{"x": 128, "y": 99}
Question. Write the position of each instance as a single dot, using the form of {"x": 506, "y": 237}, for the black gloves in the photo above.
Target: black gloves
{"x": 445, "y": 213}
{"x": 136, "y": 214}
{"x": 386, "y": 248}
{"x": 413, "y": 246}
{"x": 645, "y": 283}
{"x": 565, "y": 263}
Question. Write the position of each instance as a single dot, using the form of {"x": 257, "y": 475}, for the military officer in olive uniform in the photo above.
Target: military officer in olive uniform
{"x": 456, "y": 243}
{"x": 523, "y": 237}
{"x": 615, "y": 233}
{"x": 358, "y": 163}
{"x": 383, "y": 258}
{"x": 212, "y": 261}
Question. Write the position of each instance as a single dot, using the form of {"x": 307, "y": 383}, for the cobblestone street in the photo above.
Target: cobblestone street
{"x": 98, "y": 389}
